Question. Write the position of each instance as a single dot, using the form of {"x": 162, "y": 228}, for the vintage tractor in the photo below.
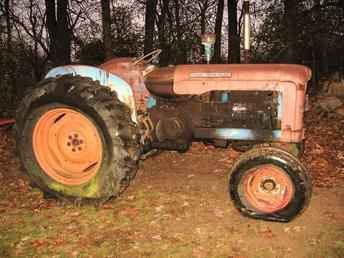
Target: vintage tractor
{"x": 83, "y": 129}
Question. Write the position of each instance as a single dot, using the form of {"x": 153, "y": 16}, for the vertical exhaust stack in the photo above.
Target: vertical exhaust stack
{"x": 208, "y": 40}
{"x": 247, "y": 43}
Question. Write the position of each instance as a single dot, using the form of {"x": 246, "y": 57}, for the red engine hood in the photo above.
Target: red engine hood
{"x": 196, "y": 79}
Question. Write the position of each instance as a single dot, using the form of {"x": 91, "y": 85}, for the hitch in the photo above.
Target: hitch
{"x": 7, "y": 122}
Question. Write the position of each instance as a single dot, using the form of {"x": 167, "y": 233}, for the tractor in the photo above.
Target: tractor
{"x": 82, "y": 130}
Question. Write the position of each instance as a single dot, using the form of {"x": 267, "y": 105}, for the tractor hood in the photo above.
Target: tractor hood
{"x": 197, "y": 79}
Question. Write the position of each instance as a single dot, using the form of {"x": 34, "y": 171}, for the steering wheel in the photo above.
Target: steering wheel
{"x": 151, "y": 56}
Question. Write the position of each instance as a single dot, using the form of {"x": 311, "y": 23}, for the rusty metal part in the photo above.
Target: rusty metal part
{"x": 267, "y": 188}
{"x": 160, "y": 82}
{"x": 7, "y": 122}
{"x": 151, "y": 56}
{"x": 146, "y": 128}
{"x": 67, "y": 146}
{"x": 289, "y": 81}
{"x": 132, "y": 74}
{"x": 114, "y": 82}
{"x": 260, "y": 74}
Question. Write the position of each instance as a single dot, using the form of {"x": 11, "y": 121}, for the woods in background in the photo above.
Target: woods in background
{"x": 36, "y": 35}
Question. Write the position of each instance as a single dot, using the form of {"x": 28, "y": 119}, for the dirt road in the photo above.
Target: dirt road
{"x": 177, "y": 206}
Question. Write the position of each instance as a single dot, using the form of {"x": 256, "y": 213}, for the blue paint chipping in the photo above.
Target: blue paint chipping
{"x": 279, "y": 106}
{"x": 151, "y": 102}
{"x": 115, "y": 83}
{"x": 96, "y": 74}
{"x": 242, "y": 134}
{"x": 225, "y": 97}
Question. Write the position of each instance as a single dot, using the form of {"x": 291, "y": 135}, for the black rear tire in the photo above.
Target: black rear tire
{"x": 111, "y": 118}
{"x": 289, "y": 179}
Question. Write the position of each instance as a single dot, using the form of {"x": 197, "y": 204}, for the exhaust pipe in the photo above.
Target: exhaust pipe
{"x": 208, "y": 40}
{"x": 247, "y": 43}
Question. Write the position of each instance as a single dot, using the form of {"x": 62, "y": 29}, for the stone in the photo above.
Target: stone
{"x": 340, "y": 111}
{"x": 329, "y": 103}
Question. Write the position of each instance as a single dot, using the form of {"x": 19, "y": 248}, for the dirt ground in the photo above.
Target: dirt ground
{"x": 177, "y": 206}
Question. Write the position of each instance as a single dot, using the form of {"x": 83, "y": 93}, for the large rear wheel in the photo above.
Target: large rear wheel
{"x": 76, "y": 139}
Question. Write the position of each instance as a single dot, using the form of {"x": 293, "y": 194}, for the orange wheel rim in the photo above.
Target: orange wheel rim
{"x": 267, "y": 188}
{"x": 67, "y": 146}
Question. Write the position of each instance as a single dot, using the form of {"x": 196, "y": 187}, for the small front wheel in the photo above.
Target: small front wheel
{"x": 271, "y": 184}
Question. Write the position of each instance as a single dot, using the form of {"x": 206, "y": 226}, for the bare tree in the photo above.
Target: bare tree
{"x": 203, "y": 6}
{"x": 106, "y": 22}
{"x": 290, "y": 13}
{"x": 218, "y": 31}
{"x": 233, "y": 34}
{"x": 8, "y": 25}
{"x": 149, "y": 25}
{"x": 162, "y": 32}
{"x": 59, "y": 30}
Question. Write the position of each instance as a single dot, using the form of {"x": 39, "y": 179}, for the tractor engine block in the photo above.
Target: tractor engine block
{"x": 176, "y": 122}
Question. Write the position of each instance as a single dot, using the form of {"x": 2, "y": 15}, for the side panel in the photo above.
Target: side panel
{"x": 291, "y": 102}
{"x": 115, "y": 83}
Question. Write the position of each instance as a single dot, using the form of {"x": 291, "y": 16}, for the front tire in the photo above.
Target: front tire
{"x": 76, "y": 139}
{"x": 270, "y": 184}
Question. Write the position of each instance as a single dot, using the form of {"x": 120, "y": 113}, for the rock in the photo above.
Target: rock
{"x": 333, "y": 85}
{"x": 329, "y": 103}
{"x": 336, "y": 89}
{"x": 340, "y": 111}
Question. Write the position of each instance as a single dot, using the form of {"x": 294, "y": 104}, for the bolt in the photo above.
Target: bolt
{"x": 70, "y": 137}
{"x": 68, "y": 143}
{"x": 73, "y": 150}
{"x": 76, "y": 135}
{"x": 79, "y": 148}
{"x": 81, "y": 141}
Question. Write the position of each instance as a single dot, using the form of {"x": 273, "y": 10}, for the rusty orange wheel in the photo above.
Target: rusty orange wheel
{"x": 267, "y": 188}
{"x": 77, "y": 141}
{"x": 67, "y": 146}
{"x": 269, "y": 183}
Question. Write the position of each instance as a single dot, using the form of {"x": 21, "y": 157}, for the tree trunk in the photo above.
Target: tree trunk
{"x": 233, "y": 36}
{"x": 106, "y": 23}
{"x": 321, "y": 39}
{"x": 203, "y": 18}
{"x": 8, "y": 26}
{"x": 181, "y": 55}
{"x": 218, "y": 32}
{"x": 59, "y": 32}
{"x": 149, "y": 25}
{"x": 290, "y": 13}
{"x": 162, "y": 27}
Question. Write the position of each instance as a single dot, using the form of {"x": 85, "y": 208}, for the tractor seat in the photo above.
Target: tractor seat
{"x": 160, "y": 82}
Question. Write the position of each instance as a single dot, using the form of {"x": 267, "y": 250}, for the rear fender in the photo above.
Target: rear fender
{"x": 106, "y": 79}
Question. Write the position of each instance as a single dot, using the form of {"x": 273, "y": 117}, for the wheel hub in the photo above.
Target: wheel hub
{"x": 268, "y": 185}
{"x": 267, "y": 188}
{"x": 67, "y": 146}
{"x": 75, "y": 142}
